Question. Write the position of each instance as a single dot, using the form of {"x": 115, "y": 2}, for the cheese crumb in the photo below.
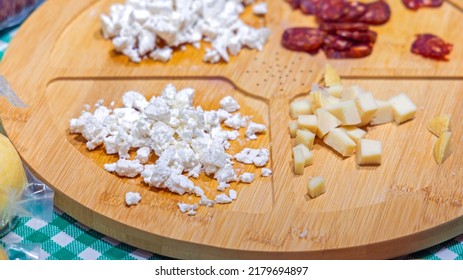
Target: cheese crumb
{"x": 266, "y": 172}
{"x": 260, "y": 9}
{"x": 254, "y": 128}
{"x": 132, "y": 198}
{"x": 232, "y": 194}
{"x": 223, "y": 199}
{"x": 229, "y": 104}
{"x": 190, "y": 209}
{"x": 247, "y": 177}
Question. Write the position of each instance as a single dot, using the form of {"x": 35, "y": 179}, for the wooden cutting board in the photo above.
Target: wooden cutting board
{"x": 59, "y": 61}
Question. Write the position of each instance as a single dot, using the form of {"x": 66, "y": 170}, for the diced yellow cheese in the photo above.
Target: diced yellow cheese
{"x": 308, "y": 155}
{"x": 336, "y": 90}
{"x": 326, "y": 122}
{"x": 3, "y": 255}
{"x": 384, "y": 114}
{"x": 369, "y": 152}
{"x": 12, "y": 176}
{"x": 331, "y": 77}
{"x": 404, "y": 109}
{"x": 316, "y": 187}
{"x": 351, "y": 93}
{"x": 346, "y": 112}
{"x": 367, "y": 107}
{"x": 305, "y": 137}
{"x": 442, "y": 147}
{"x": 321, "y": 100}
{"x": 308, "y": 122}
{"x": 340, "y": 142}
{"x": 299, "y": 161}
{"x": 300, "y": 107}
{"x": 439, "y": 125}
{"x": 354, "y": 132}
{"x": 293, "y": 128}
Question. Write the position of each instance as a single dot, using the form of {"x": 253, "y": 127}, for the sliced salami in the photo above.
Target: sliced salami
{"x": 294, "y": 3}
{"x": 416, "y": 4}
{"x": 431, "y": 46}
{"x": 355, "y": 51}
{"x": 303, "y": 39}
{"x": 332, "y": 27}
{"x": 368, "y": 36}
{"x": 309, "y": 7}
{"x": 354, "y": 10}
{"x": 336, "y": 43}
{"x": 332, "y": 10}
{"x": 377, "y": 13}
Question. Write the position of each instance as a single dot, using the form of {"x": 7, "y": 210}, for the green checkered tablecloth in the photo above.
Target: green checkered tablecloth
{"x": 66, "y": 239}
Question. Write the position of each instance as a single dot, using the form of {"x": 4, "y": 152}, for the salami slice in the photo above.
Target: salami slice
{"x": 431, "y": 46}
{"x": 416, "y": 4}
{"x": 332, "y": 10}
{"x": 303, "y": 39}
{"x": 354, "y": 10}
{"x": 368, "y": 36}
{"x": 294, "y": 3}
{"x": 332, "y": 27}
{"x": 355, "y": 51}
{"x": 377, "y": 13}
{"x": 309, "y": 7}
{"x": 336, "y": 43}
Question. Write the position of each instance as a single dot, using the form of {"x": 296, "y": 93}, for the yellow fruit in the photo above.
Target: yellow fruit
{"x": 12, "y": 176}
{"x": 441, "y": 149}
{"x": 439, "y": 125}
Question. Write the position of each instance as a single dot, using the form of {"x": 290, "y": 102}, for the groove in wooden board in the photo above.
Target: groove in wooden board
{"x": 417, "y": 208}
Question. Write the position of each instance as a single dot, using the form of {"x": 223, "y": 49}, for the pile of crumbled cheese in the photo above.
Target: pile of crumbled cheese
{"x": 186, "y": 140}
{"x": 144, "y": 28}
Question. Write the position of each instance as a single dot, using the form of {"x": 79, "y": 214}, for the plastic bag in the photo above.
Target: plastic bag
{"x": 13, "y": 12}
{"x": 21, "y": 193}
{"x": 20, "y": 252}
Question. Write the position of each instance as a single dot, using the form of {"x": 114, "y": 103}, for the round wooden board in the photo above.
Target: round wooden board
{"x": 58, "y": 62}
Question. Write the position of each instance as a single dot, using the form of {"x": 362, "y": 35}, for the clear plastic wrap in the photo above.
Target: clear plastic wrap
{"x": 13, "y": 12}
{"x": 20, "y": 252}
{"x": 21, "y": 193}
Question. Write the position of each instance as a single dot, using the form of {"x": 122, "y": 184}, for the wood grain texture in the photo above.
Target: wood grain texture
{"x": 406, "y": 204}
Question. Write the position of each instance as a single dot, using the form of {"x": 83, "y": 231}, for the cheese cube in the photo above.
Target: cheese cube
{"x": 367, "y": 107}
{"x": 300, "y": 107}
{"x": 305, "y": 137}
{"x": 404, "y": 109}
{"x": 351, "y": 93}
{"x": 384, "y": 114}
{"x": 439, "y": 125}
{"x": 346, "y": 112}
{"x": 308, "y": 122}
{"x": 293, "y": 128}
{"x": 340, "y": 142}
{"x": 369, "y": 152}
{"x": 316, "y": 187}
{"x": 442, "y": 147}
{"x": 354, "y": 132}
{"x": 331, "y": 77}
{"x": 326, "y": 122}
{"x": 321, "y": 100}
{"x": 336, "y": 90}
{"x": 299, "y": 161}
{"x": 308, "y": 155}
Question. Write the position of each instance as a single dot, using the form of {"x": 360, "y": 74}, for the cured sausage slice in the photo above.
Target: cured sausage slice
{"x": 294, "y": 3}
{"x": 354, "y": 10}
{"x": 336, "y": 43}
{"x": 303, "y": 39}
{"x": 350, "y": 26}
{"x": 309, "y": 7}
{"x": 356, "y": 51}
{"x": 416, "y": 4}
{"x": 332, "y": 10}
{"x": 377, "y": 13}
{"x": 431, "y": 46}
{"x": 361, "y": 36}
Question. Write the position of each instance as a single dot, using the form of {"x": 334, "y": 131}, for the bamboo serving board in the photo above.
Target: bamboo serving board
{"x": 59, "y": 61}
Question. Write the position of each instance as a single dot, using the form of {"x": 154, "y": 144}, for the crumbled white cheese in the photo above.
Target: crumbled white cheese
{"x": 247, "y": 177}
{"x": 206, "y": 201}
{"x": 260, "y": 9}
{"x": 304, "y": 234}
{"x": 254, "y": 128}
{"x": 258, "y": 157}
{"x": 232, "y": 194}
{"x": 138, "y": 28}
{"x": 236, "y": 121}
{"x": 229, "y": 104}
{"x": 132, "y": 198}
{"x": 186, "y": 140}
{"x": 223, "y": 198}
{"x": 266, "y": 172}
{"x": 190, "y": 209}
{"x": 126, "y": 168}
